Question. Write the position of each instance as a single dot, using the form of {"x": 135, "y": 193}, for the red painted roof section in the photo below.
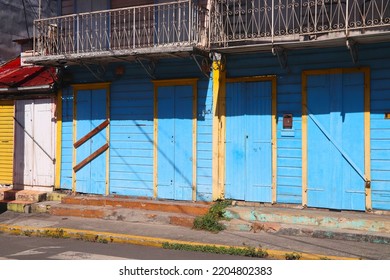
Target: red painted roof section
{"x": 13, "y": 75}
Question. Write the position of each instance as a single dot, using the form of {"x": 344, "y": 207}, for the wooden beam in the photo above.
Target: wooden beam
{"x": 90, "y": 158}
{"x": 92, "y": 133}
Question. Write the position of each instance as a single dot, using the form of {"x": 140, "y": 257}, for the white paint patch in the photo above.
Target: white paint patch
{"x": 36, "y": 251}
{"x": 74, "y": 255}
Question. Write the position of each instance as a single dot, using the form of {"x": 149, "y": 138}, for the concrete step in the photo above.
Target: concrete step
{"x": 345, "y": 225}
{"x": 122, "y": 214}
{"x": 189, "y": 208}
{"x": 19, "y": 206}
{"x": 20, "y": 201}
{"x": 22, "y": 195}
{"x": 44, "y": 206}
{"x": 7, "y": 194}
{"x": 56, "y": 196}
{"x": 313, "y": 232}
{"x": 312, "y": 217}
{"x": 30, "y": 196}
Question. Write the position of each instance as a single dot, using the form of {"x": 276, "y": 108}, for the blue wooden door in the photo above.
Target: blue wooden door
{"x": 335, "y": 104}
{"x": 248, "y": 141}
{"x": 174, "y": 147}
{"x": 91, "y": 112}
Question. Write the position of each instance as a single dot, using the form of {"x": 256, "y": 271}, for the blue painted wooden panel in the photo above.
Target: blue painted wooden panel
{"x": 174, "y": 148}
{"x": 166, "y": 143}
{"x": 236, "y": 167}
{"x": 337, "y": 104}
{"x": 67, "y": 138}
{"x": 91, "y": 112}
{"x": 183, "y": 142}
{"x": 131, "y": 138}
{"x": 248, "y": 141}
{"x": 375, "y": 56}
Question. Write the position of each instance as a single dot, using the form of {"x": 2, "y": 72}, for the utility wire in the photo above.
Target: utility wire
{"x": 25, "y": 18}
{"x": 32, "y": 8}
{"x": 51, "y": 9}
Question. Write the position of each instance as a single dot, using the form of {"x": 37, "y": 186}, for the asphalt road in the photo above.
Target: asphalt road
{"x": 40, "y": 248}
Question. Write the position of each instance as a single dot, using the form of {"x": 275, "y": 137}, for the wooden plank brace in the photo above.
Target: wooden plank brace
{"x": 90, "y": 158}
{"x": 92, "y": 133}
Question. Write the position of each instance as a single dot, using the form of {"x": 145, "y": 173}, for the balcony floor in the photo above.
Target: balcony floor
{"x": 301, "y": 42}
{"x": 116, "y": 55}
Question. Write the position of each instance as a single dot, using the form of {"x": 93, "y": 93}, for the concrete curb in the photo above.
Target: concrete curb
{"x": 329, "y": 234}
{"x": 108, "y": 237}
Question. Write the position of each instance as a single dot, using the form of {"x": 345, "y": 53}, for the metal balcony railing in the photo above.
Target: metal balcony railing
{"x": 281, "y": 20}
{"x": 180, "y": 23}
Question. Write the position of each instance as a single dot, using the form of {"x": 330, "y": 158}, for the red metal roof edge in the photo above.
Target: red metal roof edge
{"x": 13, "y": 75}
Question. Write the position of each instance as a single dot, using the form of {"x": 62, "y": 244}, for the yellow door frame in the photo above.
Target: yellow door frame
{"x": 176, "y": 82}
{"x": 218, "y": 138}
{"x": 367, "y": 147}
{"x": 92, "y": 86}
{"x": 219, "y": 127}
{"x": 57, "y": 178}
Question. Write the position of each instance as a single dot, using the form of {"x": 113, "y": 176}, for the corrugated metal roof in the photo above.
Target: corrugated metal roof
{"x": 13, "y": 75}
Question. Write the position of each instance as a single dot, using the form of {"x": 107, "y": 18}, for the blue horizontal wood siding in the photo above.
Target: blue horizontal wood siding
{"x": 204, "y": 140}
{"x": 380, "y": 130}
{"x": 132, "y": 127}
{"x": 67, "y": 138}
{"x": 289, "y": 146}
{"x": 131, "y": 138}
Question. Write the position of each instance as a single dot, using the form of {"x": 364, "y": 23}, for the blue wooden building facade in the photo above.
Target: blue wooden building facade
{"x": 303, "y": 122}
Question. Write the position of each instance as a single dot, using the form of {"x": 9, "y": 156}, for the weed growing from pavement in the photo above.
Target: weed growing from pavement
{"x": 57, "y": 233}
{"x": 247, "y": 251}
{"x": 211, "y": 220}
{"x": 28, "y": 233}
{"x": 293, "y": 256}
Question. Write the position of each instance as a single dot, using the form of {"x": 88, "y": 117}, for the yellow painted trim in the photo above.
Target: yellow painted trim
{"x": 219, "y": 131}
{"x": 176, "y": 82}
{"x": 108, "y": 116}
{"x": 274, "y": 139}
{"x": 304, "y": 139}
{"x": 215, "y": 139}
{"x": 367, "y": 137}
{"x": 194, "y": 137}
{"x": 155, "y": 139}
{"x": 74, "y": 156}
{"x": 251, "y": 79}
{"x": 222, "y": 133}
{"x": 91, "y": 86}
{"x": 57, "y": 183}
{"x": 336, "y": 71}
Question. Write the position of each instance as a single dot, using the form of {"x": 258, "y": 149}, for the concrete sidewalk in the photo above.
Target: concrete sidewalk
{"x": 280, "y": 231}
